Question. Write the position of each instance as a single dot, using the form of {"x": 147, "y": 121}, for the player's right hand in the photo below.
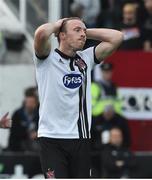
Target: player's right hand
{"x": 58, "y": 25}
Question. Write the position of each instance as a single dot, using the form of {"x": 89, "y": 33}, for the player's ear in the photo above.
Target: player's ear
{"x": 62, "y": 35}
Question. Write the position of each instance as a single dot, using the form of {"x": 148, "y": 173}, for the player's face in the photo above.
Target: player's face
{"x": 75, "y": 35}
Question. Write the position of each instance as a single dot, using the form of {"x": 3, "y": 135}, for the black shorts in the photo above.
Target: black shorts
{"x": 65, "y": 158}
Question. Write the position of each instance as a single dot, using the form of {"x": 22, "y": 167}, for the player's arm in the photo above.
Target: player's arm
{"x": 111, "y": 40}
{"x": 42, "y": 35}
{"x": 5, "y": 122}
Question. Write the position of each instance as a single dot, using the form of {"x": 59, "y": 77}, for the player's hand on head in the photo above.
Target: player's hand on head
{"x": 58, "y": 25}
{"x": 5, "y": 121}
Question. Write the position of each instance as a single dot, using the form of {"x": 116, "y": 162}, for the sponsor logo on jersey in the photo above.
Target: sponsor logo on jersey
{"x": 72, "y": 81}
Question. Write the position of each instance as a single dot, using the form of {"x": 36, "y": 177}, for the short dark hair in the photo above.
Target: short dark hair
{"x": 31, "y": 92}
{"x": 63, "y": 26}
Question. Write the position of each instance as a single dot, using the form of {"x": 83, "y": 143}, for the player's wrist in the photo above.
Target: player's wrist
{"x": 89, "y": 34}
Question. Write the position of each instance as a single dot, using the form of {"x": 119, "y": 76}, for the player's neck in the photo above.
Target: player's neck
{"x": 66, "y": 50}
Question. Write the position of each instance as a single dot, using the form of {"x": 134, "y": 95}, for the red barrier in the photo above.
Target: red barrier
{"x": 134, "y": 69}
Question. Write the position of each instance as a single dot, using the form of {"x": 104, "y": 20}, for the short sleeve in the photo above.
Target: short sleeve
{"x": 40, "y": 61}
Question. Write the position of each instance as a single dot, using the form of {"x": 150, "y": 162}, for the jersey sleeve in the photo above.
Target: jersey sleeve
{"x": 90, "y": 57}
{"x": 40, "y": 61}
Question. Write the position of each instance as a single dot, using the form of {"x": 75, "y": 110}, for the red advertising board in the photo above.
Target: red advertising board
{"x": 133, "y": 75}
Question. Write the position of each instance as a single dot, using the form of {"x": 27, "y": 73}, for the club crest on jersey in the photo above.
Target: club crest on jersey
{"x": 81, "y": 65}
{"x": 72, "y": 81}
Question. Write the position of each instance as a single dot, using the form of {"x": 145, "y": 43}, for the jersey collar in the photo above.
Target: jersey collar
{"x": 64, "y": 55}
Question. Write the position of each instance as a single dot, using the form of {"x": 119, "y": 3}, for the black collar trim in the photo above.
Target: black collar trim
{"x": 64, "y": 55}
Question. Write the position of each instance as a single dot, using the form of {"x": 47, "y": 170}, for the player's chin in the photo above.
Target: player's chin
{"x": 80, "y": 47}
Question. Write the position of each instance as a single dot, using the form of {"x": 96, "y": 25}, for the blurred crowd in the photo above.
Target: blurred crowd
{"x": 23, "y": 133}
{"x": 132, "y": 17}
{"x": 111, "y": 137}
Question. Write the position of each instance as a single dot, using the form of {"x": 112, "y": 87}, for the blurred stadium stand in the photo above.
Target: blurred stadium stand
{"x": 27, "y": 165}
{"x": 17, "y": 39}
{"x": 18, "y": 27}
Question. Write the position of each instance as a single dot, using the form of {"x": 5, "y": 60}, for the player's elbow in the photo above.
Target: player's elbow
{"x": 118, "y": 38}
{"x": 40, "y": 34}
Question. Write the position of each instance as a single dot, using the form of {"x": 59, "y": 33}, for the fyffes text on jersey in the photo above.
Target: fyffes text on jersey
{"x": 72, "y": 80}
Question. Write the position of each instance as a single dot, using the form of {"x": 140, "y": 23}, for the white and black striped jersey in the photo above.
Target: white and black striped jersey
{"x": 64, "y": 85}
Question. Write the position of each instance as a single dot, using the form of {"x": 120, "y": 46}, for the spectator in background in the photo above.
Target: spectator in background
{"x": 148, "y": 26}
{"x": 104, "y": 90}
{"x": 110, "y": 16}
{"x": 102, "y": 124}
{"x": 118, "y": 161}
{"x": 31, "y": 91}
{"x": 5, "y": 122}
{"x": 108, "y": 88}
{"x": 24, "y": 124}
{"x": 133, "y": 38}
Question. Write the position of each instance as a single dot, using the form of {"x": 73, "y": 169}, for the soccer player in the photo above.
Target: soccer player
{"x": 5, "y": 122}
{"x": 64, "y": 79}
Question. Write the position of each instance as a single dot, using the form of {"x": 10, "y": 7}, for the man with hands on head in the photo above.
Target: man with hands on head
{"x": 64, "y": 79}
